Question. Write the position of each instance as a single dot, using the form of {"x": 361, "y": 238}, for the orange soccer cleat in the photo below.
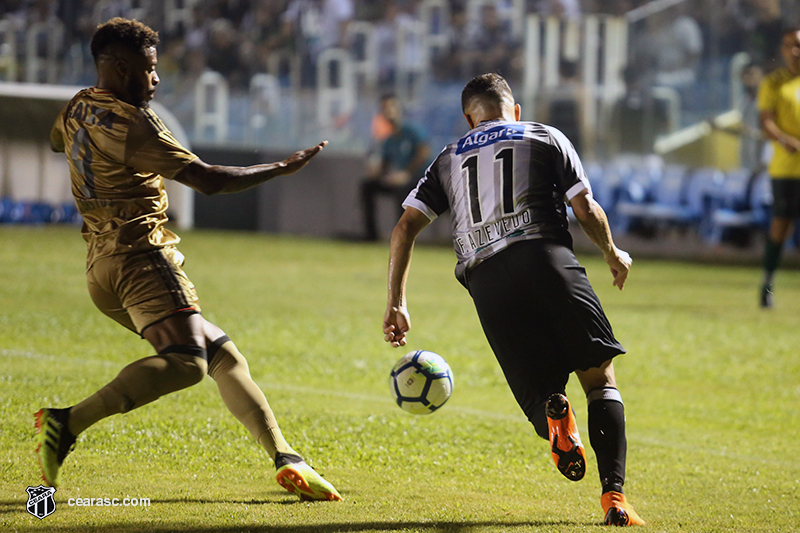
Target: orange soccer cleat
{"x": 617, "y": 510}
{"x": 565, "y": 442}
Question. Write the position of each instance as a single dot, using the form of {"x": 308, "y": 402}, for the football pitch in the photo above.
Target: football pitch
{"x": 711, "y": 386}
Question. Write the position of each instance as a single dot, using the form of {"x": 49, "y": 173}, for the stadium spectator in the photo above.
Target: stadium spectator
{"x": 673, "y": 44}
{"x": 262, "y": 33}
{"x": 636, "y": 119}
{"x": 199, "y": 28}
{"x": 515, "y": 257}
{"x": 392, "y": 50}
{"x": 223, "y": 55}
{"x": 562, "y": 106}
{"x": 751, "y": 152}
{"x": 757, "y": 28}
{"x": 490, "y": 45}
{"x": 120, "y": 154}
{"x": 316, "y": 25}
{"x": 560, "y": 8}
{"x": 453, "y": 64}
{"x": 780, "y": 119}
{"x": 404, "y": 155}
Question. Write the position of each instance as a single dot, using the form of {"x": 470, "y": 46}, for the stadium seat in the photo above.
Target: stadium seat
{"x": 673, "y": 197}
{"x": 743, "y": 204}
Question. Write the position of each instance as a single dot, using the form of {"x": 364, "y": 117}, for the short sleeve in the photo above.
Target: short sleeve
{"x": 429, "y": 196}
{"x": 571, "y": 177}
{"x": 154, "y": 149}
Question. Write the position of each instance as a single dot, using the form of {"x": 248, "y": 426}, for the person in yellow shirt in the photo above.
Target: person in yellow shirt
{"x": 119, "y": 154}
{"x": 779, "y": 105}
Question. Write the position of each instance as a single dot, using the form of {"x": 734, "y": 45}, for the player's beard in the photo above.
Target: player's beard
{"x": 138, "y": 93}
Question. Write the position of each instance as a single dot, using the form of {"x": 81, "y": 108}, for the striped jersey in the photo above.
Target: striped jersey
{"x": 503, "y": 182}
{"x": 118, "y": 155}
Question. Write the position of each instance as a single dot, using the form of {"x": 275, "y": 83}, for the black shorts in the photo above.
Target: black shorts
{"x": 541, "y": 318}
{"x": 786, "y": 197}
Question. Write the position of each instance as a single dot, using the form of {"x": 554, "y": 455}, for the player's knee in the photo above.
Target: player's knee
{"x": 189, "y": 361}
{"x": 224, "y": 358}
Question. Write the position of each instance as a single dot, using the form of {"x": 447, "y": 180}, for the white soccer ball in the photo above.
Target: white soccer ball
{"x": 421, "y": 382}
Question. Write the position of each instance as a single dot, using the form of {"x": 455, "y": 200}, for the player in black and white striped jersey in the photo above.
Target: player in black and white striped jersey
{"x": 506, "y": 183}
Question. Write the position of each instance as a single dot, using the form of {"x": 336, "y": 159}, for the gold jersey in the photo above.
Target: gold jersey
{"x": 780, "y": 93}
{"x": 118, "y": 157}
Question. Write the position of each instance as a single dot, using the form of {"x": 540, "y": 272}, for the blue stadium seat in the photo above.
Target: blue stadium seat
{"x": 744, "y": 204}
{"x": 673, "y": 197}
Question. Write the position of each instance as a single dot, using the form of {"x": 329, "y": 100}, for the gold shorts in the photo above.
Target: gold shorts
{"x": 140, "y": 289}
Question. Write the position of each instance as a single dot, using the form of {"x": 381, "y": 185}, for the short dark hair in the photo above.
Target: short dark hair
{"x": 791, "y": 29}
{"x": 128, "y": 34}
{"x": 491, "y": 87}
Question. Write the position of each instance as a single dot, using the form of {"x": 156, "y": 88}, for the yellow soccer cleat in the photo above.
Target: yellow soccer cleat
{"x": 53, "y": 443}
{"x": 617, "y": 510}
{"x": 298, "y": 478}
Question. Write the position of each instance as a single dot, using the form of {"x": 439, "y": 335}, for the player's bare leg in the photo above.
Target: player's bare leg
{"x": 607, "y": 437}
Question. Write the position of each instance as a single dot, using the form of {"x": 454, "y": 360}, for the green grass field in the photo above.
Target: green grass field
{"x": 711, "y": 386}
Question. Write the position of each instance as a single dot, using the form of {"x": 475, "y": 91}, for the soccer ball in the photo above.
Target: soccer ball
{"x": 421, "y": 382}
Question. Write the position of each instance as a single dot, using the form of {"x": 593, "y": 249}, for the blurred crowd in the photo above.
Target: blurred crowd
{"x": 239, "y": 38}
{"x": 686, "y": 47}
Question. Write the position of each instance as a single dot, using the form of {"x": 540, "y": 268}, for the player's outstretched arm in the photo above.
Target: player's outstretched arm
{"x": 215, "y": 179}
{"x": 594, "y": 223}
{"x": 396, "y": 321}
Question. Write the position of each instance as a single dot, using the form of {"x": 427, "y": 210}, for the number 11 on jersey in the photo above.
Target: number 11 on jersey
{"x": 470, "y": 167}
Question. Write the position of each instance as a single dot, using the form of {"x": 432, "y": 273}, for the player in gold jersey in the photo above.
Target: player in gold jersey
{"x": 119, "y": 154}
{"x": 779, "y": 104}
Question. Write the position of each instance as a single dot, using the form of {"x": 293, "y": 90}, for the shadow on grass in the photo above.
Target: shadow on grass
{"x": 342, "y": 527}
{"x": 18, "y": 506}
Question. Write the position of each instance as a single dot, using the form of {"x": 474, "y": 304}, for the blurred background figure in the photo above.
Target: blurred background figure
{"x": 674, "y": 46}
{"x": 751, "y": 154}
{"x": 636, "y": 119}
{"x": 561, "y": 106}
{"x": 779, "y": 103}
{"x": 404, "y": 154}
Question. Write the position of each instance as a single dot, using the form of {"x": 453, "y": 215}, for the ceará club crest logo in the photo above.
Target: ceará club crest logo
{"x": 40, "y": 501}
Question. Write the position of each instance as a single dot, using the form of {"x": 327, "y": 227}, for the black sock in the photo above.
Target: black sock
{"x": 607, "y": 436}
{"x": 772, "y": 258}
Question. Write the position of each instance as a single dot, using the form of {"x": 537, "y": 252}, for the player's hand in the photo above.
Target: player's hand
{"x": 396, "y": 324}
{"x": 620, "y": 264}
{"x": 298, "y": 160}
{"x": 790, "y": 144}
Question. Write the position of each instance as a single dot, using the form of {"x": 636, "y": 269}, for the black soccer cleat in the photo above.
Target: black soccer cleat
{"x": 767, "y": 297}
